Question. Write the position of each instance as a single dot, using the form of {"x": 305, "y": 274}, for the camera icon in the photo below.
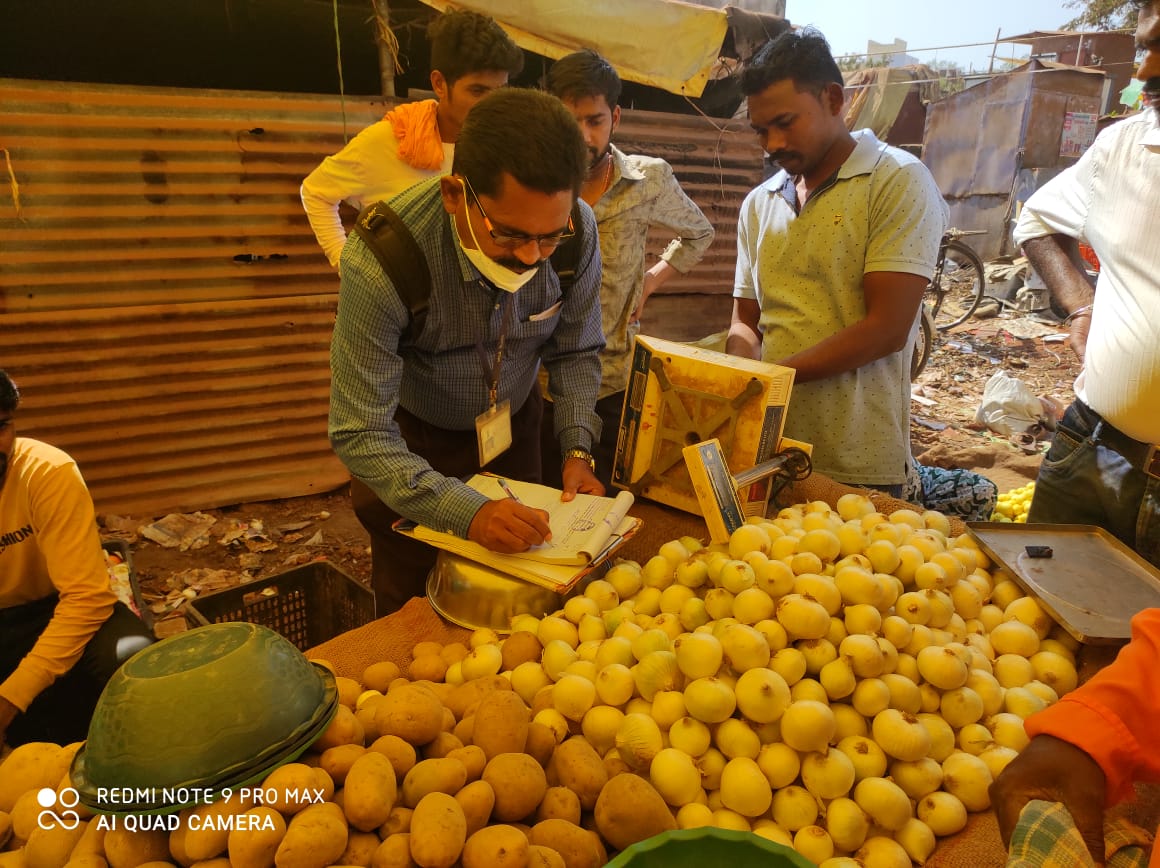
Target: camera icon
{"x": 67, "y": 799}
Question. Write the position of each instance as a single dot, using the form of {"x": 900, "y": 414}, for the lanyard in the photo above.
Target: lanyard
{"x": 491, "y": 369}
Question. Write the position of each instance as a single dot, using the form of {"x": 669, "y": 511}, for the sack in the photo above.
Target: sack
{"x": 1008, "y": 406}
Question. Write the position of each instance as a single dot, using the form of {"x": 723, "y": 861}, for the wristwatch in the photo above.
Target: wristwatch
{"x": 583, "y": 455}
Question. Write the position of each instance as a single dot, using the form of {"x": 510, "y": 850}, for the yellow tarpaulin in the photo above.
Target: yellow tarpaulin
{"x": 661, "y": 43}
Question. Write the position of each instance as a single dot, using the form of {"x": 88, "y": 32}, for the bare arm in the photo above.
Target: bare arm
{"x": 654, "y": 279}
{"x": 1056, "y": 258}
{"x": 892, "y": 300}
{"x": 744, "y": 332}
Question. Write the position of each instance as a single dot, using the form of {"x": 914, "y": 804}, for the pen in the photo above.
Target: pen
{"x": 508, "y": 490}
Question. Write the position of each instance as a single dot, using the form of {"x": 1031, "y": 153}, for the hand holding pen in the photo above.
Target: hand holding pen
{"x": 507, "y": 525}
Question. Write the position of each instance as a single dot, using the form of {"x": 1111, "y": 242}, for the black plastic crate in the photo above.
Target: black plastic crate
{"x": 308, "y": 605}
{"x": 121, "y": 549}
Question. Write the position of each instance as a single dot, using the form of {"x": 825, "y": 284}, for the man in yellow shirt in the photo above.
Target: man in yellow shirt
{"x": 62, "y": 630}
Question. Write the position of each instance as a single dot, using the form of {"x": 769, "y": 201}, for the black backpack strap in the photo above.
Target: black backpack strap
{"x": 566, "y": 257}
{"x": 389, "y": 239}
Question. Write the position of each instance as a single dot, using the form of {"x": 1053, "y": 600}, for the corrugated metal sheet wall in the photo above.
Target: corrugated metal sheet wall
{"x": 163, "y": 302}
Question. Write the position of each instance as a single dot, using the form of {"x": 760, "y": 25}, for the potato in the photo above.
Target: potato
{"x": 441, "y": 689}
{"x": 578, "y": 847}
{"x": 438, "y": 831}
{"x": 579, "y": 767}
{"x": 293, "y": 787}
{"x": 496, "y": 847}
{"x": 336, "y": 761}
{"x": 24, "y": 814}
{"x": 315, "y": 838}
{"x": 429, "y": 667}
{"x": 501, "y": 723}
{"x": 125, "y": 849}
{"x": 401, "y": 754}
{"x": 366, "y": 719}
{"x": 12, "y": 859}
{"x": 519, "y": 783}
{"x": 344, "y": 728}
{"x": 398, "y": 821}
{"x": 541, "y": 743}
{"x": 30, "y": 766}
{"x": 360, "y": 849}
{"x": 349, "y": 691}
{"x": 540, "y": 856}
{"x": 433, "y": 775}
{"x": 203, "y": 839}
{"x": 473, "y": 760}
{"x": 477, "y": 800}
{"x": 465, "y": 729}
{"x": 378, "y": 676}
{"x": 394, "y": 852}
{"x": 220, "y": 862}
{"x": 470, "y": 692}
{"x": 50, "y": 848}
{"x": 5, "y": 828}
{"x": 412, "y": 713}
{"x": 253, "y": 844}
{"x": 454, "y": 652}
{"x": 441, "y": 745}
{"x": 559, "y": 803}
{"x": 629, "y": 809}
{"x": 370, "y": 791}
{"x": 92, "y": 843}
{"x": 448, "y": 720}
{"x": 520, "y": 647}
{"x": 88, "y": 860}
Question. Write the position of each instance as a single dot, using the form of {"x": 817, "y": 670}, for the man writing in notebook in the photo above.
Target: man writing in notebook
{"x": 470, "y": 57}
{"x": 410, "y": 415}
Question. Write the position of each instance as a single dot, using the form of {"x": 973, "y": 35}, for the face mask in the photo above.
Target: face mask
{"x": 500, "y": 276}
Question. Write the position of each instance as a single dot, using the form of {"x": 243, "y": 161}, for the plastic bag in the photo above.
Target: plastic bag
{"x": 1008, "y": 406}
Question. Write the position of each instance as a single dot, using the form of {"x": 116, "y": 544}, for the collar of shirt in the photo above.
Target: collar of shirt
{"x": 622, "y": 168}
{"x": 862, "y": 160}
{"x": 1151, "y": 139}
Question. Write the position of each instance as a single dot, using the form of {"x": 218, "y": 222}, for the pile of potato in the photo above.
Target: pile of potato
{"x": 838, "y": 681}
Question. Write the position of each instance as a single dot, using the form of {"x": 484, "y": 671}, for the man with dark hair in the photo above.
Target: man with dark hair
{"x": 629, "y": 194}
{"x": 1103, "y": 467}
{"x": 834, "y": 252}
{"x": 411, "y": 414}
{"x": 470, "y": 57}
{"x": 62, "y": 630}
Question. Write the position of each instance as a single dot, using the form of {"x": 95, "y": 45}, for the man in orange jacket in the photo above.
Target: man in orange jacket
{"x": 470, "y": 57}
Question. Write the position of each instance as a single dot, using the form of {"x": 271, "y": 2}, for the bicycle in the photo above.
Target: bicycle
{"x": 956, "y": 287}
{"x": 923, "y": 344}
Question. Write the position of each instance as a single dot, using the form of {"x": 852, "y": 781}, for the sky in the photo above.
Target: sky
{"x": 848, "y": 24}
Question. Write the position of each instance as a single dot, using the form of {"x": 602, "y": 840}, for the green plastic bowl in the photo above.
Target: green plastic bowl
{"x": 708, "y": 847}
{"x": 203, "y": 709}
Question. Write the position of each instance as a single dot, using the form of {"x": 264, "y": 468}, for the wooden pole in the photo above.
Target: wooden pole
{"x": 386, "y": 56}
{"x": 994, "y": 48}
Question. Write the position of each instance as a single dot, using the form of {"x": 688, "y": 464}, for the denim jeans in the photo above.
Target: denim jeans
{"x": 1086, "y": 480}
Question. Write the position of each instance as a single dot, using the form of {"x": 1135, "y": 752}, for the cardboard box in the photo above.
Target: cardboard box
{"x": 679, "y": 395}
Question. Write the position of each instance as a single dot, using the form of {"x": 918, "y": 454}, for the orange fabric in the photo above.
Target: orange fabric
{"x": 417, "y": 131}
{"x": 1113, "y": 716}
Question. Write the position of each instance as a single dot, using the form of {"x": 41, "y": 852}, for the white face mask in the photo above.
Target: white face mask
{"x": 500, "y": 276}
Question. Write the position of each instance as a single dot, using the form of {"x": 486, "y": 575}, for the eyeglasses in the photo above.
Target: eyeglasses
{"x": 516, "y": 240}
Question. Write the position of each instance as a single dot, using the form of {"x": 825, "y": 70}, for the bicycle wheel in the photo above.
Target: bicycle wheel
{"x": 923, "y": 344}
{"x": 960, "y": 289}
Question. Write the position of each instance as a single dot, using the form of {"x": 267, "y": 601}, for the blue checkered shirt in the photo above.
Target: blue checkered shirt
{"x": 438, "y": 376}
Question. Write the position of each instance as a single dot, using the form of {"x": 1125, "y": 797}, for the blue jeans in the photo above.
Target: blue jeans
{"x": 1092, "y": 474}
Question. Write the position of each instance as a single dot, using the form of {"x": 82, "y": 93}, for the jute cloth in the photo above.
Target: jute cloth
{"x": 391, "y": 638}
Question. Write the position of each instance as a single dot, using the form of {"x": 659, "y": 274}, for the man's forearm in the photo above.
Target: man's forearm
{"x": 1056, "y": 259}
{"x": 743, "y": 341}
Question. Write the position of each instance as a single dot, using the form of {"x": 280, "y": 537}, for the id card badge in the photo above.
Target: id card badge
{"x": 493, "y": 432}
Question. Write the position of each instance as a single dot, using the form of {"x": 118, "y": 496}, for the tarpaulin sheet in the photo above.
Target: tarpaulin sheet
{"x": 661, "y": 43}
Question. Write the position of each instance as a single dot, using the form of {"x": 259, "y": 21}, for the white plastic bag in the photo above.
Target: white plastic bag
{"x": 1008, "y": 406}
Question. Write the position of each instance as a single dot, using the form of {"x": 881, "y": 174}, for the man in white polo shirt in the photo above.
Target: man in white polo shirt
{"x": 1103, "y": 467}
{"x": 833, "y": 255}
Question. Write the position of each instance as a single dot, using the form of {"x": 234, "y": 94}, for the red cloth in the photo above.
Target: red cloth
{"x": 1115, "y": 716}
{"x": 416, "y": 128}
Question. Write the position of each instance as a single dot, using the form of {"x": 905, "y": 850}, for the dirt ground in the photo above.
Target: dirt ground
{"x": 235, "y": 544}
